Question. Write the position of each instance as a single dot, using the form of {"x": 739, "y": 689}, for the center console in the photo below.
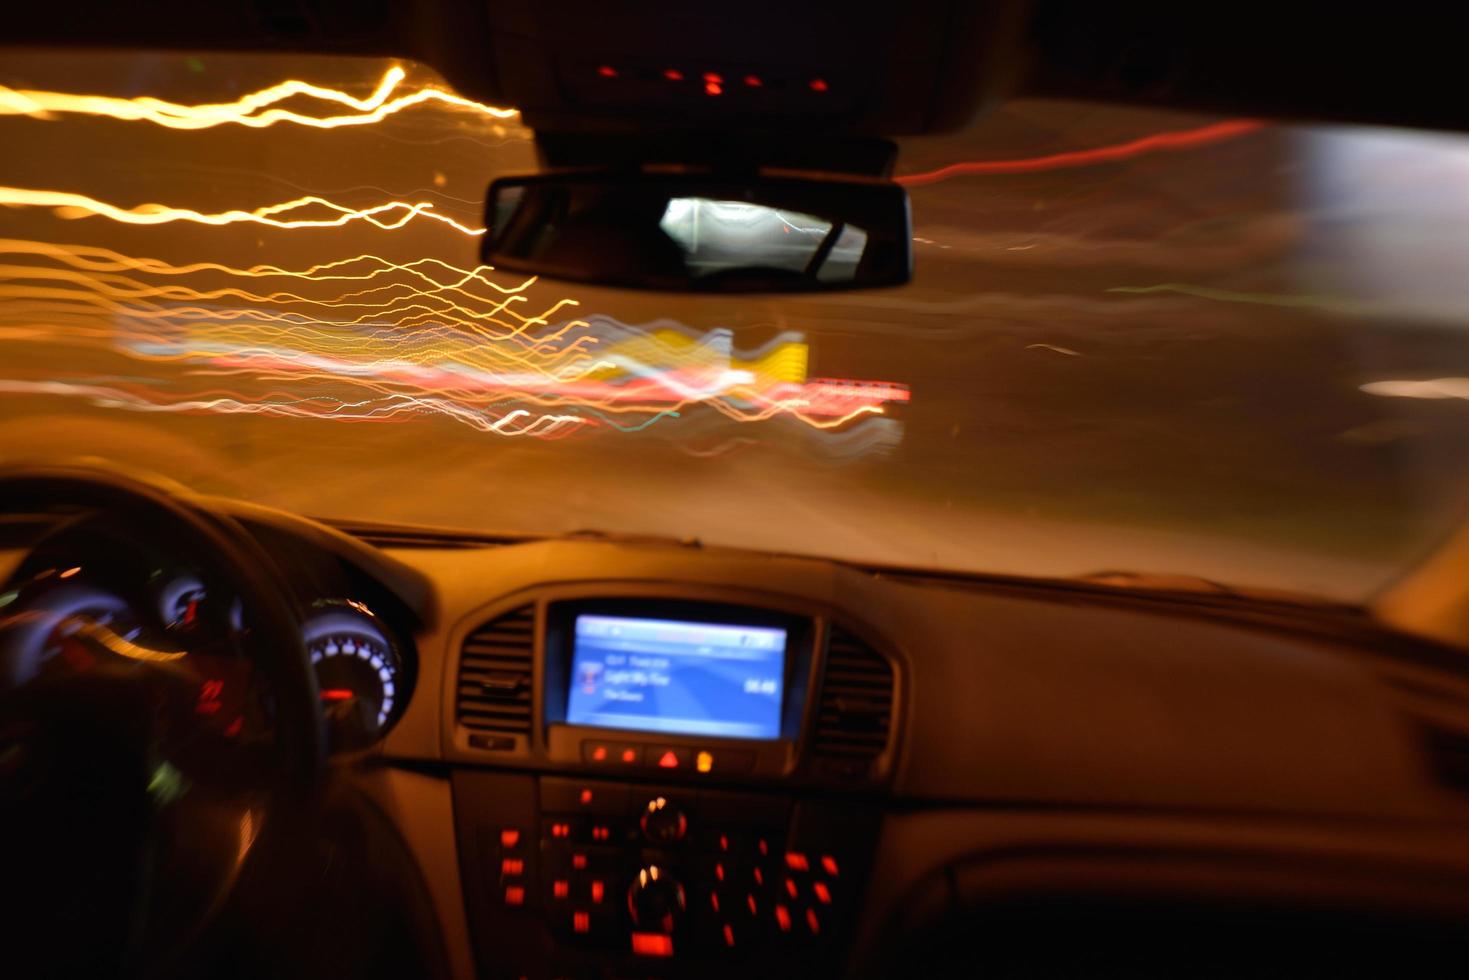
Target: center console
{"x": 666, "y": 784}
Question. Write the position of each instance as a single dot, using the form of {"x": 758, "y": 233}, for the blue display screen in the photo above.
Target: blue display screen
{"x": 662, "y": 675}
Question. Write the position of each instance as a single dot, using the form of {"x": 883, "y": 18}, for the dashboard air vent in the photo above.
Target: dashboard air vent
{"x": 855, "y": 711}
{"x": 495, "y": 674}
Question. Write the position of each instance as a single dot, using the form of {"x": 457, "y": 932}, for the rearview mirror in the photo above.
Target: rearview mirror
{"x": 701, "y": 232}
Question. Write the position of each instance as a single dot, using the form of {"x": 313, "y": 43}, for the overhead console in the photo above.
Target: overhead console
{"x": 686, "y": 779}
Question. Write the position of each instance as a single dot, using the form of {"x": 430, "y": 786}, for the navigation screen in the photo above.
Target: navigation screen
{"x": 661, "y": 675}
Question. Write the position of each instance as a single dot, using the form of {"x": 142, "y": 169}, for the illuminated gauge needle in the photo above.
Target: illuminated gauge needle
{"x": 337, "y": 694}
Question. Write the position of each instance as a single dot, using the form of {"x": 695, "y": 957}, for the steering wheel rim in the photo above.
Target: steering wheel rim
{"x": 229, "y": 555}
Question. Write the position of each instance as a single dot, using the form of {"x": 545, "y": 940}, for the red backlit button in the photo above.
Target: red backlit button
{"x": 512, "y": 867}
{"x": 601, "y": 832}
{"x": 668, "y": 757}
{"x": 823, "y": 894}
{"x": 599, "y": 753}
{"x": 581, "y": 922}
{"x": 599, "y": 891}
{"x": 714, "y": 901}
{"x": 560, "y": 888}
{"x": 514, "y": 895}
{"x": 652, "y": 944}
{"x": 791, "y": 888}
{"x": 796, "y": 861}
{"x": 630, "y": 756}
{"x": 728, "y": 935}
{"x": 579, "y": 861}
{"x": 509, "y": 838}
{"x": 561, "y": 830}
{"x": 829, "y": 864}
{"x": 813, "y": 922}
{"x": 783, "y": 918}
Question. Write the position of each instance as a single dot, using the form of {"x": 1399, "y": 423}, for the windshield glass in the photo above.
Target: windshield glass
{"x": 1136, "y": 340}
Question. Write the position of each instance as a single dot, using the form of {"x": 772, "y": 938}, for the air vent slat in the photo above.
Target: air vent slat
{"x": 854, "y": 712}
{"x": 496, "y": 667}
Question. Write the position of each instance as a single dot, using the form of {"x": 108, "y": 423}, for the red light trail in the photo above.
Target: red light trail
{"x": 1177, "y": 140}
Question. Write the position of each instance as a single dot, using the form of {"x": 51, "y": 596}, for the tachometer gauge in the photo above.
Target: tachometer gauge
{"x": 357, "y": 669}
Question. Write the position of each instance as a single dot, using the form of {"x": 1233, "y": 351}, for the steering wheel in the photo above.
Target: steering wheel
{"x": 140, "y": 760}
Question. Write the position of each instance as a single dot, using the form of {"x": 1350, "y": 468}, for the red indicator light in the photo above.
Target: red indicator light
{"x": 581, "y": 921}
{"x": 823, "y": 894}
{"x": 713, "y": 78}
{"x": 796, "y": 861}
{"x": 723, "y": 842}
{"x": 560, "y": 888}
{"x": 599, "y": 753}
{"x": 586, "y": 797}
{"x": 673, "y": 74}
{"x": 515, "y": 895}
{"x": 750, "y": 901}
{"x": 599, "y": 891}
{"x": 719, "y": 871}
{"x": 561, "y": 830}
{"x": 234, "y": 727}
{"x": 830, "y": 864}
{"x": 819, "y": 85}
{"x": 669, "y": 760}
{"x": 579, "y": 862}
{"x": 209, "y": 694}
{"x": 762, "y": 847}
{"x": 510, "y": 867}
{"x": 753, "y": 81}
{"x": 759, "y": 877}
{"x": 652, "y": 944}
{"x": 728, "y": 935}
{"x": 813, "y": 922}
{"x": 783, "y": 918}
{"x": 790, "y": 888}
{"x": 629, "y": 755}
{"x": 601, "y": 833}
{"x": 509, "y": 837}
{"x": 713, "y": 88}
{"x": 606, "y": 71}
{"x": 714, "y": 901}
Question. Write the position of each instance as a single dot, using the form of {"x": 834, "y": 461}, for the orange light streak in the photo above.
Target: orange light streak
{"x": 70, "y": 206}
{"x": 256, "y": 110}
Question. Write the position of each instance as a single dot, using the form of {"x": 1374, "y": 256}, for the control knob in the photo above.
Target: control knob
{"x": 663, "y": 822}
{"x": 654, "y": 899}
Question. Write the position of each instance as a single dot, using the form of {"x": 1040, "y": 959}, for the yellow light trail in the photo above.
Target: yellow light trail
{"x": 409, "y": 339}
{"x": 257, "y": 110}
{"x": 69, "y": 205}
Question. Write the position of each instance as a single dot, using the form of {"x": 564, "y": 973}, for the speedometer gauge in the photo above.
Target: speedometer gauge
{"x": 358, "y": 671}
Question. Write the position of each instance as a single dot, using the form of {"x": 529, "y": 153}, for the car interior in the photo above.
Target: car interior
{"x": 363, "y": 616}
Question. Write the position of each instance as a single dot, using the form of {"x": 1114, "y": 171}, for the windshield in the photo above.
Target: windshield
{"x": 1136, "y": 340}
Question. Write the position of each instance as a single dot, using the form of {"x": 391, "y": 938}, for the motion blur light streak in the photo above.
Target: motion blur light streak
{"x": 1179, "y": 140}
{"x": 1435, "y": 388}
{"x": 372, "y": 339}
{"x": 421, "y": 338}
{"x": 70, "y": 205}
{"x": 256, "y": 110}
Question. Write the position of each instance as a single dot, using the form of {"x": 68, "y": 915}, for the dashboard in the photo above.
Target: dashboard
{"x": 609, "y": 758}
